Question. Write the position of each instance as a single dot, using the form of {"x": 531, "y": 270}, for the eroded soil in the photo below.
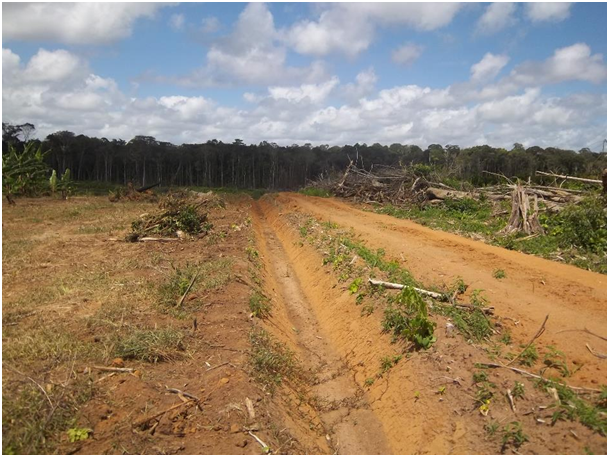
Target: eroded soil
{"x": 64, "y": 275}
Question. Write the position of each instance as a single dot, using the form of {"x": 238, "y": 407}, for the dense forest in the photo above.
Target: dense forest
{"x": 144, "y": 160}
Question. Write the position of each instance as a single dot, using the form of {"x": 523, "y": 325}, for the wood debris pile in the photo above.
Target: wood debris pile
{"x": 180, "y": 215}
{"x": 400, "y": 185}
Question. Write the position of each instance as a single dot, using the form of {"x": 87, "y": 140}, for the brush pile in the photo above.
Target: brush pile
{"x": 180, "y": 214}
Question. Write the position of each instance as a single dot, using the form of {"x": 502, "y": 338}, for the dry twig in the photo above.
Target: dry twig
{"x": 537, "y": 335}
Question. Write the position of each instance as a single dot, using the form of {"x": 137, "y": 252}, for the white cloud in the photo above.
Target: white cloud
{"x": 311, "y": 93}
{"x": 407, "y": 53}
{"x": 499, "y": 114}
{"x": 176, "y": 21}
{"x": 72, "y": 23}
{"x": 251, "y": 54}
{"x": 548, "y": 11}
{"x": 571, "y": 63}
{"x": 349, "y": 28}
{"x": 497, "y": 17}
{"x": 489, "y": 67}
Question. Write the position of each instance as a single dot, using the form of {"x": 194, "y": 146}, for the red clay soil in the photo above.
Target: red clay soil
{"x": 574, "y": 299}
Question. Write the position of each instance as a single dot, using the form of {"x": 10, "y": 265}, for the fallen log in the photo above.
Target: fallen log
{"x": 434, "y": 193}
{"x": 571, "y": 178}
{"x": 145, "y": 188}
{"x": 391, "y": 285}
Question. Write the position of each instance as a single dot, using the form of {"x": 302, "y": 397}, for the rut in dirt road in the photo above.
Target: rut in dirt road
{"x": 346, "y": 415}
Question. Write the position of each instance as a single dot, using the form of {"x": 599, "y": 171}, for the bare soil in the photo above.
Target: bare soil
{"x": 63, "y": 274}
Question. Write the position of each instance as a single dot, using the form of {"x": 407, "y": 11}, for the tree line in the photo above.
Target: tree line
{"x": 144, "y": 160}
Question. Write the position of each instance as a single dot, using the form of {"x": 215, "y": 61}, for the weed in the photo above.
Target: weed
{"x": 506, "y": 338}
{"x": 480, "y": 376}
{"x": 499, "y": 274}
{"x": 78, "y": 434}
{"x": 518, "y": 390}
{"x": 260, "y": 305}
{"x": 592, "y": 414}
{"x": 407, "y": 318}
{"x": 491, "y": 428}
{"x": 441, "y": 390}
{"x": 152, "y": 346}
{"x": 355, "y": 285}
{"x": 529, "y": 356}
{"x": 388, "y": 362}
{"x": 459, "y": 286}
{"x": 30, "y": 425}
{"x": 557, "y": 360}
{"x": 369, "y": 381}
{"x": 471, "y": 322}
{"x": 513, "y": 434}
{"x": 272, "y": 361}
{"x": 252, "y": 255}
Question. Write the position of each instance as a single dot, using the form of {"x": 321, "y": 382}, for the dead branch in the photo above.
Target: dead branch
{"x": 154, "y": 416}
{"x": 192, "y": 281}
{"x": 585, "y": 330}
{"x": 571, "y": 178}
{"x": 249, "y": 404}
{"x": 391, "y": 285}
{"x": 160, "y": 240}
{"x": 182, "y": 393}
{"x": 265, "y": 448}
{"x": 115, "y": 369}
{"x": 511, "y": 399}
{"x": 526, "y": 373}
{"x": 596, "y": 354}
{"x": 537, "y": 335}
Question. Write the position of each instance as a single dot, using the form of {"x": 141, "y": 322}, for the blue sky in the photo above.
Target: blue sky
{"x": 416, "y": 73}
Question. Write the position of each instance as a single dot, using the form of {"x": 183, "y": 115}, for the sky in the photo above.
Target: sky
{"x": 321, "y": 73}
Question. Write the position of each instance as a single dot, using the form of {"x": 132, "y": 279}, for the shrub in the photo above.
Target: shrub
{"x": 407, "y": 318}
{"x": 584, "y": 225}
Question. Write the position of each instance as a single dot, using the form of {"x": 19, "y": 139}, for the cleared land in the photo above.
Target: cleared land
{"x": 282, "y": 321}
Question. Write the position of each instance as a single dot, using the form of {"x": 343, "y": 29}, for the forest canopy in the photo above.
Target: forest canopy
{"x": 144, "y": 160}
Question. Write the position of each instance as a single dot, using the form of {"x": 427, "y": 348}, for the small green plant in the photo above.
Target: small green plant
{"x": 480, "y": 376}
{"x": 260, "y": 305}
{"x": 355, "y": 285}
{"x": 407, "y": 318}
{"x": 514, "y": 435}
{"x": 518, "y": 390}
{"x": 506, "y": 338}
{"x": 65, "y": 184}
{"x": 441, "y": 390}
{"x": 529, "y": 356}
{"x": 556, "y": 359}
{"x": 499, "y": 274}
{"x": 78, "y": 434}
{"x": 252, "y": 254}
{"x": 491, "y": 428}
{"x": 388, "y": 362}
{"x": 369, "y": 381}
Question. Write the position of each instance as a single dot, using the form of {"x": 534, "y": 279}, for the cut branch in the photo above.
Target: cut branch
{"x": 537, "y": 335}
{"x": 572, "y": 178}
{"x": 391, "y": 285}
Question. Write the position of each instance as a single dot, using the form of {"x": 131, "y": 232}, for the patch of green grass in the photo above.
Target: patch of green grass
{"x": 506, "y": 338}
{"x": 407, "y": 318}
{"x": 472, "y": 323}
{"x": 42, "y": 342}
{"x": 369, "y": 381}
{"x": 315, "y": 192}
{"x": 156, "y": 345}
{"x": 491, "y": 428}
{"x": 591, "y": 412}
{"x": 31, "y": 425}
{"x": 499, "y": 274}
{"x": 209, "y": 276}
{"x": 272, "y": 362}
{"x": 514, "y": 435}
{"x": 260, "y": 305}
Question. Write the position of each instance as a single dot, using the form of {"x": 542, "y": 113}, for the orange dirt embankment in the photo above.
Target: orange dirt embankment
{"x": 321, "y": 312}
{"x": 533, "y": 287}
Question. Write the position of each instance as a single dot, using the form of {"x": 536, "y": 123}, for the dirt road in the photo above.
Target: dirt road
{"x": 533, "y": 287}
